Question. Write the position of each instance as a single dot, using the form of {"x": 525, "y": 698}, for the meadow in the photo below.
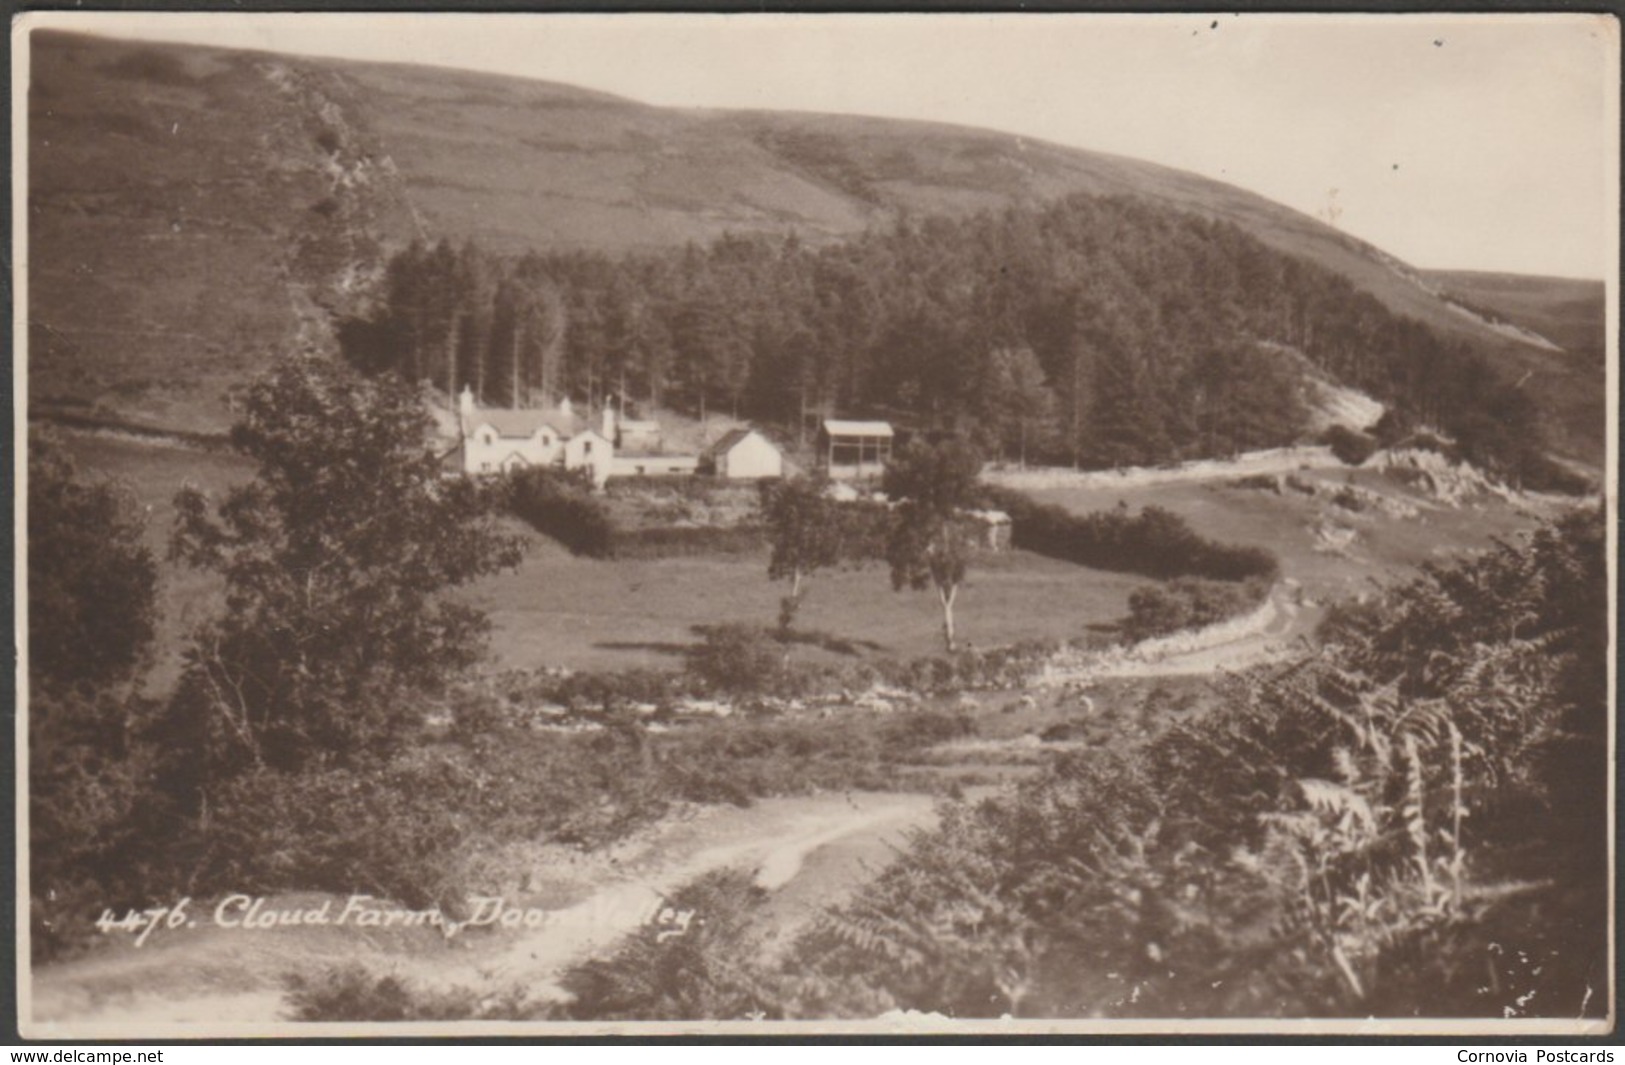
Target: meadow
{"x": 561, "y": 610}
{"x": 1385, "y": 546}
{"x": 587, "y": 614}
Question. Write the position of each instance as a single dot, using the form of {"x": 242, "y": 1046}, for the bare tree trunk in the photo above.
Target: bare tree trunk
{"x": 947, "y": 596}
{"x": 513, "y": 392}
{"x": 790, "y": 605}
{"x": 451, "y": 356}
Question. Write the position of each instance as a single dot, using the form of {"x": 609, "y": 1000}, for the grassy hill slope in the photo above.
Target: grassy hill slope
{"x": 193, "y": 209}
{"x": 1566, "y": 311}
{"x": 1572, "y": 315}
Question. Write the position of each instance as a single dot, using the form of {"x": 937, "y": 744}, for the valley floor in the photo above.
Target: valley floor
{"x": 811, "y": 850}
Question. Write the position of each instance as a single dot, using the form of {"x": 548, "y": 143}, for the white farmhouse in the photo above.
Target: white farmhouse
{"x": 742, "y": 454}
{"x": 499, "y": 440}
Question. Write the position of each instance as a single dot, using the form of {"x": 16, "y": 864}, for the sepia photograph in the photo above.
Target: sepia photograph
{"x": 797, "y": 524}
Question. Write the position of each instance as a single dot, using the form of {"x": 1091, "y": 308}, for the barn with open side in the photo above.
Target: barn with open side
{"x": 854, "y": 448}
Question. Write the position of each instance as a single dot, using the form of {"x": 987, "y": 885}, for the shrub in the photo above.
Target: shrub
{"x": 1350, "y": 446}
{"x": 397, "y": 826}
{"x": 1187, "y": 603}
{"x": 1263, "y": 482}
{"x": 1347, "y": 498}
{"x": 353, "y": 992}
{"x": 679, "y": 486}
{"x": 738, "y": 659}
{"x": 562, "y": 506}
{"x": 1541, "y": 473}
{"x": 1394, "y": 426}
{"x": 690, "y": 972}
{"x": 93, "y": 813}
{"x": 918, "y": 729}
{"x": 609, "y": 692}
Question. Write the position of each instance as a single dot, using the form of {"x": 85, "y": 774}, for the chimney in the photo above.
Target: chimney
{"x": 565, "y": 408}
{"x": 465, "y": 402}
{"x": 609, "y": 423}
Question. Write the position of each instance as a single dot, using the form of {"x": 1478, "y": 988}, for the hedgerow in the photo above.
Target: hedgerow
{"x": 1154, "y": 543}
{"x": 562, "y": 506}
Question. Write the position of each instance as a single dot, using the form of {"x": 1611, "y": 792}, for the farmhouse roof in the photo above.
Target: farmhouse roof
{"x": 525, "y": 423}
{"x": 840, "y": 427}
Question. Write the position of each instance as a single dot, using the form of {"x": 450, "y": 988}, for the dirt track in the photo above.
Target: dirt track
{"x": 805, "y": 850}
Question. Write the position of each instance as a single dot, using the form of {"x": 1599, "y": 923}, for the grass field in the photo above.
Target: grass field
{"x": 560, "y": 610}
{"x": 1385, "y": 546}
{"x": 587, "y": 614}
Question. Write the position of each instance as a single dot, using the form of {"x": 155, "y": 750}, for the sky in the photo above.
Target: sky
{"x": 1485, "y": 142}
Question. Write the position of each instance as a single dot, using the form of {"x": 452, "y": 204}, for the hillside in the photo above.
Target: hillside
{"x": 194, "y": 209}
{"x": 1569, "y": 313}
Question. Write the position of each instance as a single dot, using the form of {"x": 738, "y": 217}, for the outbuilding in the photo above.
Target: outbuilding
{"x": 854, "y": 448}
{"x": 743, "y": 454}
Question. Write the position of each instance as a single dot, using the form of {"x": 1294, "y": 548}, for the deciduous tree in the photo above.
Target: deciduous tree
{"x": 805, "y": 528}
{"x": 335, "y": 558}
{"x": 91, "y": 580}
{"x": 931, "y": 538}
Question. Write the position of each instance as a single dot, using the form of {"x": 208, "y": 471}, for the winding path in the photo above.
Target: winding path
{"x": 229, "y": 981}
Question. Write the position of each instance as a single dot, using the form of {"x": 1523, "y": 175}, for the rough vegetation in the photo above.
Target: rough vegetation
{"x": 1353, "y": 834}
{"x": 1188, "y": 603}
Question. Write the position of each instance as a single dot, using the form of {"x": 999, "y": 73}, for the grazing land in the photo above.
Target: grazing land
{"x": 1303, "y": 530}
{"x": 600, "y": 615}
